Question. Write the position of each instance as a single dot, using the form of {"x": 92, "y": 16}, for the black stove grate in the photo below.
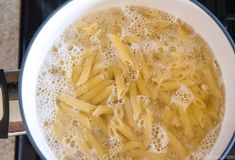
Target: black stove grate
{"x": 34, "y": 12}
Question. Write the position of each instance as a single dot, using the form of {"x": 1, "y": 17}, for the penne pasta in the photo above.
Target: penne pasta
{"x": 79, "y": 90}
{"x": 186, "y": 122}
{"x": 124, "y": 129}
{"x": 197, "y": 102}
{"x": 113, "y": 132}
{"x": 142, "y": 87}
{"x": 175, "y": 143}
{"x": 58, "y": 125}
{"x": 148, "y": 128}
{"x": 170, "y": 85}
{"x": 82, "y": 119}
{"x": 167, "y": 115}
{"x": 76, "y": 103}
{"x": 144, "y": 66}
{"x": 101, "y": 110}
{"x": 84, "y": 147}
{"x": 118, "y": 112}
{"x": 86, "y": 69}
{"x": 211, "y": 82}
{"x": 99, "y": 122}
{"x": 131, "y": 145}
{"x": 128, "y": 112}
{"x": 154, "y": 91}
{"x": 103, "y": 95}
{"x": 96, "y": 90}
{"x": 94, "y": 143}
{"x": 97, "y": 69}
{"x": 123, "y": 51}
{"x": 119, "y": 82}
{"x": 134, "y": 103}
{"x": 199, "y": 116}
{"x": 76, "y": 73}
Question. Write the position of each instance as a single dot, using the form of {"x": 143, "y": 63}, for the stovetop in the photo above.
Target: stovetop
{"x": 34, "y": 12}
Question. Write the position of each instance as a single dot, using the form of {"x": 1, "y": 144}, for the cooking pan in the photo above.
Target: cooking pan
{"x": 193, "y": 13}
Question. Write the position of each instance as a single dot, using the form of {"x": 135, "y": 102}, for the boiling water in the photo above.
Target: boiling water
{"x": 157, "y": 44}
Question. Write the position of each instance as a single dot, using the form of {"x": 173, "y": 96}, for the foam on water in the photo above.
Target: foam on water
{"x": 157, "y": 47}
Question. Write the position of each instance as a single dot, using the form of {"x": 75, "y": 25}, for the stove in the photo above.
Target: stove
{"x": 35, "y": 12}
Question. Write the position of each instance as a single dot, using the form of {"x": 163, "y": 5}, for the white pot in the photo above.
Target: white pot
{"x": 191, "y": 12}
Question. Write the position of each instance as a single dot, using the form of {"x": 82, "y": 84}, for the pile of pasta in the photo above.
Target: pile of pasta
{"x": 147, "y": 112}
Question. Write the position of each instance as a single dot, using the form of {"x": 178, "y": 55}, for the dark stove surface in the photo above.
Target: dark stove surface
{"x": 34, "y": 12}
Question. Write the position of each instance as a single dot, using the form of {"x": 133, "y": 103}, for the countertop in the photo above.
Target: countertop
{"x": 9, "y": 46}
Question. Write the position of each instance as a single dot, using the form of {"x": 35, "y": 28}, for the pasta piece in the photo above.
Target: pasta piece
{"x": 211, "y": 82}
{"x": 164, "y": 96}
{"x": 136, "y": 153}
{"x": 179, "y": 75}
{"x": 192, "y": 117}
{"x": 76, "y": 104}
{"x": 104, "y": 102}
{"x": 128, "y": 112}
{"x": 83, "y": 146}
{"x": 167, "y": 115}
{"x": 199, "y": 92}
{"x": 124, "y": 129}
{"x": 76, "y": 73}
{"x": 97, "y": 68}
{"x": 118, "y": 112}
{"x": 79, "y": 90}
{"x": 108, "y": 118}
{"x": 86, "y": 69}
{"x": 94, "y": 143}
{"x": 124, "y": 52}
{"x": 135, "y": 105}
{"x": 197, "y": 102}
{"x": 154, "y": 89}
{"x": 131, "y": 145}
{"x": 169, "y": 85}
{"x": 131, "y": 39}
{"x": 175, "y": 143}
{"x": 102, "y": 95}
{"x": 99, "y": 122}
{"x": 82, "y": 119}
{"x": 101, "y": 110}
{"x": 142, "y": 87}
{"x": 119, "y": 82}
{"x": 58, "y": 125}
{"x": 160, "y": 78}
{"x": 114, "y": 133}
{"x": 144, "y": 67}
{"x": 110, "y": 73}
{"x": 199, "y": 116}
{"x": 96, "y": 90}
{"x": 158, "y": 156}
{"x": 175, "y": 118}
{"x": 148, "y": 128}
{"x": 212, "y": 111}
{"x": 186, "y": 122}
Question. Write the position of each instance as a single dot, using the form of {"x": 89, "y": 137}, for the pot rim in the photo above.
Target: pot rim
{"x": 29, "y": 134}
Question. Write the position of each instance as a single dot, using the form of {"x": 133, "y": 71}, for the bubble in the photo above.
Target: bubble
{"x": 159, "y": 139}
{"x": 182, "y": 97}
